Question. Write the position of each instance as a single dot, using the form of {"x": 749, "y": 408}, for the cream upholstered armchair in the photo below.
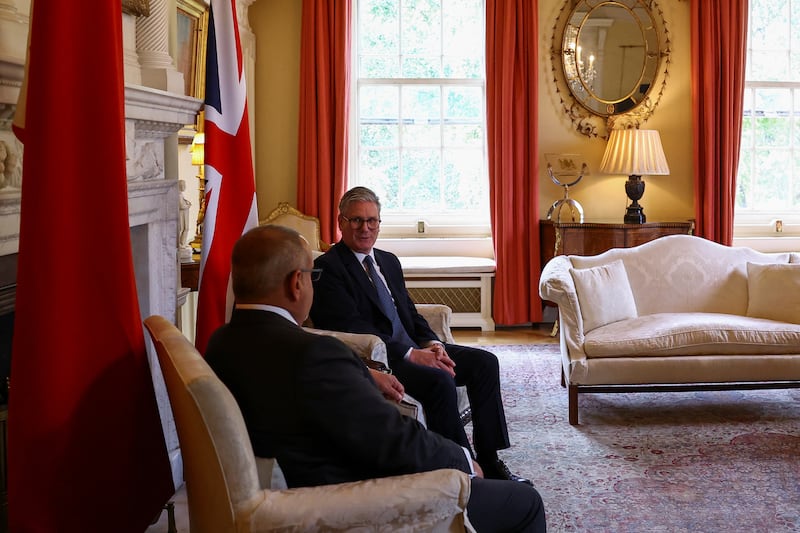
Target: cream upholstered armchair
{"x": 226, "y": 495}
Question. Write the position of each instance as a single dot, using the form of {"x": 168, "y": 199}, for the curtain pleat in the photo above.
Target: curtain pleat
{"x": 512, "y": 140}
{"x": 719, "y": 45}
{"x": 324, "y": 109}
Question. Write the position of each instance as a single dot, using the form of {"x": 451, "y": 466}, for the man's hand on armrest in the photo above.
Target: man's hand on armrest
{"x": 390, "y": 386}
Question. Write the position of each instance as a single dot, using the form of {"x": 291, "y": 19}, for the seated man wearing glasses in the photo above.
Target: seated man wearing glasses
{"x": 362, "y": 291}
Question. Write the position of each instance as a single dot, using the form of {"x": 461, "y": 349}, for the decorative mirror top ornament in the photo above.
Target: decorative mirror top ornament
{"x": 609, "y": 61}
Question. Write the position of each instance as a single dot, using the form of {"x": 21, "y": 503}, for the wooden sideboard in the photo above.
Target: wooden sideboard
{"x": 591, "y": 238}
{"x": 190, "y": 274}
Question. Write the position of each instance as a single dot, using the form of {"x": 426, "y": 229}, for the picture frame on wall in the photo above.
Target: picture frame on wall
{"x": 190, "y": 53}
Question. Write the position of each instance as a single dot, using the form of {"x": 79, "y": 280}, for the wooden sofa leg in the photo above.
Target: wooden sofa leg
{"x": 572, "y": 400}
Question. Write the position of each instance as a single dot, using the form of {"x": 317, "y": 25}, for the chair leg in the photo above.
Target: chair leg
{"x": 170, "y": 508}
{"x": 572, "y": 400}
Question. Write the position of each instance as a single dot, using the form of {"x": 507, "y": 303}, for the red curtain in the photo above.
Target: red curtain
{"x": 719, "y": 42}
{"x": 86, "y": 450}
{"x": 512, "y": 116}
{"x": 324, "y": 109}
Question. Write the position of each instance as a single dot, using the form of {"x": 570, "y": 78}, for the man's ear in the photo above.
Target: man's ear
{"x": 293, "y": 286}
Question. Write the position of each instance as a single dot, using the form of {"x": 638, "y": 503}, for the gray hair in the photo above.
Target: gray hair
{"x": 358, "y": 194}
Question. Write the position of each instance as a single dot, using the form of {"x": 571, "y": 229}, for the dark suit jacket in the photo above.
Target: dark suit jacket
{"x": 346, "y": 300}
{"x": 310, "y": 402}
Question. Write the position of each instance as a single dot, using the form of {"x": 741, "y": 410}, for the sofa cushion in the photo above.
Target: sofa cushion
{"x": 665, "y": 334}
{"x": 774, "y": 291}
{"x": 604, "y": 294}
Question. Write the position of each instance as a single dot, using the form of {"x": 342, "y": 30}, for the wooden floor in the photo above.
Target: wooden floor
{"x": 535, "y": 334}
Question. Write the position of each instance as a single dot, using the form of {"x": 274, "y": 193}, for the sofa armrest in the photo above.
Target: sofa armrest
{"x": 556, "y": 285}
{"x": 366, "y": 346}
{"x": 438, "y": 317}
{"x": 429, "y": 501}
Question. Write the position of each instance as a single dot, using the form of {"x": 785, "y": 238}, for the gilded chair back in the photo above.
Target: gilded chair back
{"x": 305, "y": 225}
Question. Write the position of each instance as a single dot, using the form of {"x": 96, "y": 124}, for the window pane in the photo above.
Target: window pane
{"x": 463, "y": 177}
{"x": 378, "y": 38}
{"x": 378, "y": 107}
{"x": 771, "y": 179}
{"x": 773, "y": 112}
{"x": 381, "y": 169}
{"x": 421, "y": 39}
{"x": 421, "y": 116}
{"x": 463, "y": 43}
{"x": 744, "y": 185}
{"x": 421, "y": 186}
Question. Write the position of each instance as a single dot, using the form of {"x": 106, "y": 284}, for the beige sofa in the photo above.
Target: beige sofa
{"x": 679, "y": 312}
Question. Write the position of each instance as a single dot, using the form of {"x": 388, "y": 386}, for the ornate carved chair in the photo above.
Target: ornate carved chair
{"x": 305, "y": 225}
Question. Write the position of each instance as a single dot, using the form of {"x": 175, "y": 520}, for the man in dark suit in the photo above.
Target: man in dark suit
{"x": 352, "y": 296}
{"x": 310, "y": 402}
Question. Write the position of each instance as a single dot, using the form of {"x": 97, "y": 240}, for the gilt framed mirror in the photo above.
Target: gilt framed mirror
{"x": 610, "y": 60}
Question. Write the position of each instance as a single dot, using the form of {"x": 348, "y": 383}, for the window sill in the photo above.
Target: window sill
{"x": 432, "y": 246}
{"x": 770, "y": 244}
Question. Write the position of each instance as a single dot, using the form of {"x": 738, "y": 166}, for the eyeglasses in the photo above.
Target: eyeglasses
{"x": 316, "y": 273}
{"x": 357, "y": 222}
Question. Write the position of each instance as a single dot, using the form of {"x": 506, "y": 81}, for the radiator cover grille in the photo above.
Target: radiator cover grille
{"x": 459, "y": 299}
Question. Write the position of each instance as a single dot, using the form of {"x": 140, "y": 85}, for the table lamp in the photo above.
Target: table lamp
{"x": 197, "y": 150}
{"x": 634, "y": 152}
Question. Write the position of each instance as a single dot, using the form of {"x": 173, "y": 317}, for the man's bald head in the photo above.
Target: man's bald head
{"x": 263, "y": 258}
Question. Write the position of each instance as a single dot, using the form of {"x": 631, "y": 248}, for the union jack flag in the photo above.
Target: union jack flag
{"x": 230, "y": 195}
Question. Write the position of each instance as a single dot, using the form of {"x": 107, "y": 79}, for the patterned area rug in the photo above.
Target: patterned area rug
{"x": 652, "y": 462}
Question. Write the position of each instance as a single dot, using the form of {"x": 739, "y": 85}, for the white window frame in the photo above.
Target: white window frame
{"x": 399, "y": 225}
{"x": 760, "y": 223}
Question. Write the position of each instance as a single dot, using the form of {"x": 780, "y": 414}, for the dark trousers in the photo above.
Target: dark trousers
{"x": 479, "y": 371}
{"x": 497, "y": 505}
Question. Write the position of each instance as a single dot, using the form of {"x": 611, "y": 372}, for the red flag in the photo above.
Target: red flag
{"x": 230, "y": 187}
{"x": 86, "y": 450}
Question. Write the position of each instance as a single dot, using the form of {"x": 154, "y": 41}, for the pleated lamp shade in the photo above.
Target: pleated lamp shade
{"x": 634, "y": 152}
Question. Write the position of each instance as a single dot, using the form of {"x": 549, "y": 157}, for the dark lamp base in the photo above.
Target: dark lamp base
{"x": 635, "y": 215}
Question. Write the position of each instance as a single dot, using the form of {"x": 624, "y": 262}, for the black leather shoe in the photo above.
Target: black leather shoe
{"x": 499, "y": 470}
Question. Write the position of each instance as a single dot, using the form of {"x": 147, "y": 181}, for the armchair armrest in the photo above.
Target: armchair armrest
{"x": 438, "y": 317}
{"x": 429, "y": 501}
{"x": 365, "y": 345}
